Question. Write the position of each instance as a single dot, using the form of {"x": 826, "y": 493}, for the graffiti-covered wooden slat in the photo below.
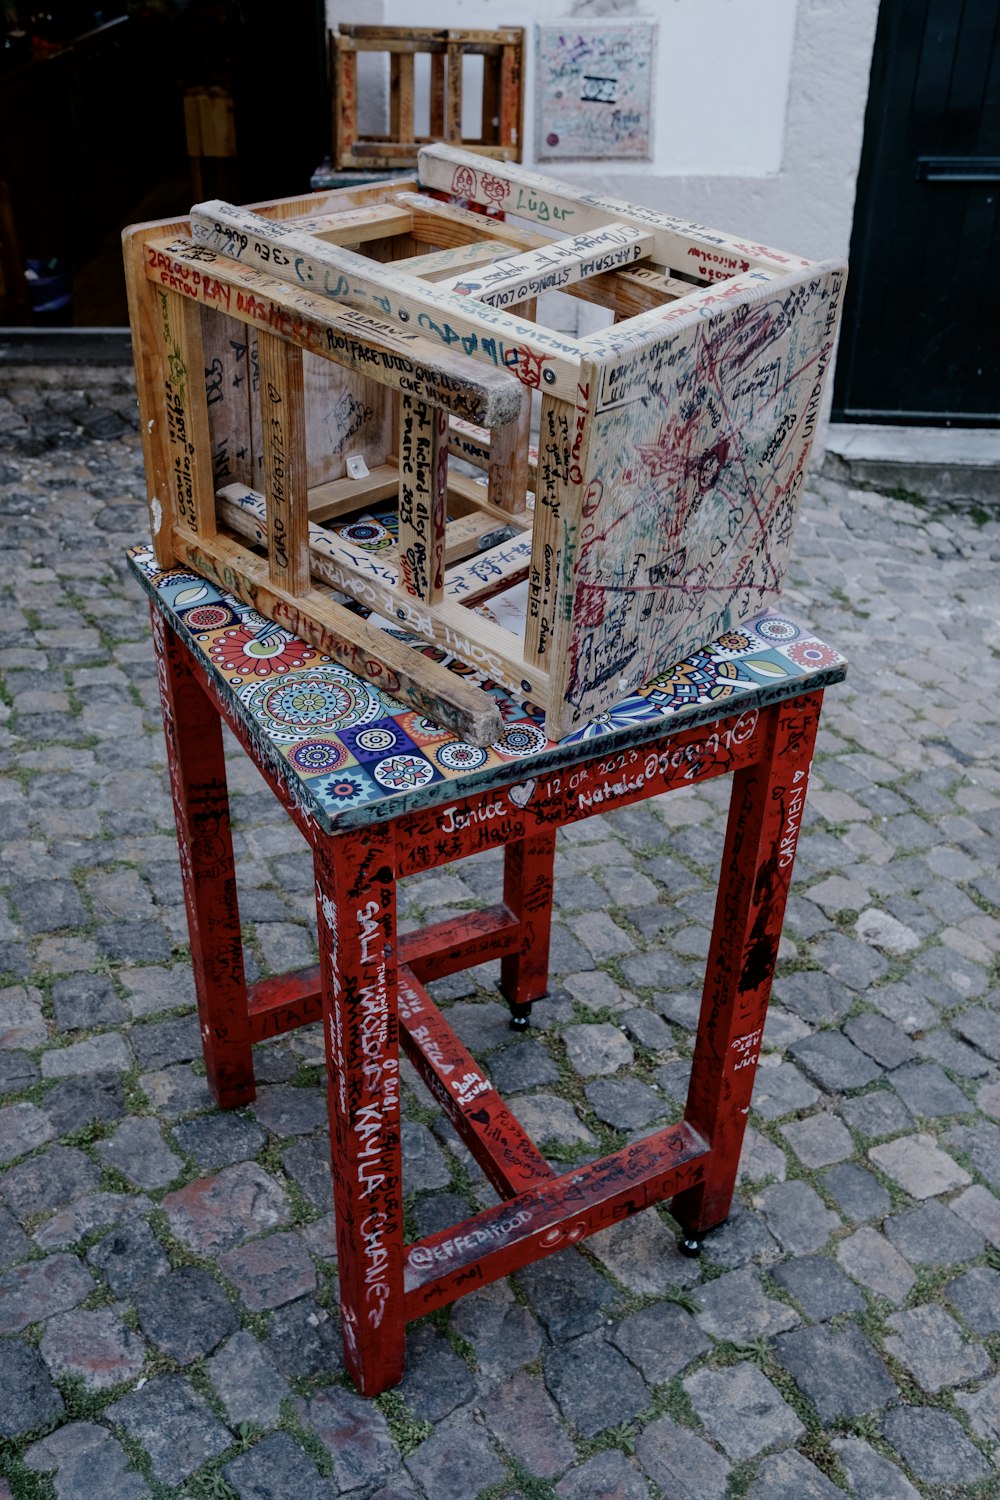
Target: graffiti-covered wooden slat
{"x": 571, "y": 209}
{"x": 228, "y": 383}
{"x": 185, "y": 404}
{"x": 483, "y": 333}
{"x": 423, "y": 491}
{"x": 513, "y": 279}
{"x": 509, "y": 1158}
{"x": 453, "y": 108}
{"x": 549, "y": 1217}
{"x": 283, "y": 432}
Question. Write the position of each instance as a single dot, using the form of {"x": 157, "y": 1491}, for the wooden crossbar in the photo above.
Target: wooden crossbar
{"x": 490, "y": 1129}
{"x": 549, "y": 1216}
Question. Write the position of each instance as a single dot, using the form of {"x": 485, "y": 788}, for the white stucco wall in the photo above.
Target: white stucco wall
{"x": 759, "y": 106}
{"x": 759, "y": 109}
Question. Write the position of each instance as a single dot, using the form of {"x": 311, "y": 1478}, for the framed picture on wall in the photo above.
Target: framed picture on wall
{"x": 594, "y": 90}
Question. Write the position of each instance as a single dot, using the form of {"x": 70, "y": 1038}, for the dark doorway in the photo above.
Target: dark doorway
{"x": 921, "y": 339}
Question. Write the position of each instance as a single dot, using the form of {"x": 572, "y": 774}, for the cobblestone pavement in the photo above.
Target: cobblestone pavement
{"x": 167, "y": 1294}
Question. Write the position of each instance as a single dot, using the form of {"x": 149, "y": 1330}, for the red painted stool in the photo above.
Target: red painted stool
{"x": 379, "y": 792}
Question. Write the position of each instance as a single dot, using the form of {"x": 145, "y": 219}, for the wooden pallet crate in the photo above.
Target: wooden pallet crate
{"x": 357, "y": 348}
{"x": 502, "y": 116}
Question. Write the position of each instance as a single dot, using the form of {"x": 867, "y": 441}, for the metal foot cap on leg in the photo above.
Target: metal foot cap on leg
{"x": 690, "y": 1245}
{"x": 520, "y": 1015}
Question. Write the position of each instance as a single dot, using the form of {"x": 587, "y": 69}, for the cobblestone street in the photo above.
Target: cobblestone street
{"x": 168, "y": 1308}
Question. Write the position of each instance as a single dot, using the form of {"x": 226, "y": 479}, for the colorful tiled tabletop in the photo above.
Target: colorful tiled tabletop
{"x": 358, "y": 755}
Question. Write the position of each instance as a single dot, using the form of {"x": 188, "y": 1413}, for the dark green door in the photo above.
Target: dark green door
{"x": 921, "y": 337}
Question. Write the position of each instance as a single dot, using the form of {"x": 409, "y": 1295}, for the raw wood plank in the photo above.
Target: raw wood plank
{"x": 428, "y": 36}
{"x": 490, "y": 120}
{"x": 508, "y": 462}
{"x": 423, "y": 488}
{"x": 447, "y": 224}
{"x": 485, "y": 333}
{"x": 453, "y": 123}
{"x": 345, "y": 414}
{"x": 283, "y": 414}
{"x": 438, "y": 65}
{"x": 313, "y": 616}
{"x": 403, "y": 131}
{"x": 227, "y": 392}
{"x": 511, "y": 128}
{"x": 356, "y": 226}
{"x": 189, "y": 445}
{"x": 439, "y": 265}
{"x": 345, "y": 103}
{"x": 339, "y": 497}
{"x": 147, "y": 355}
{"x": 553, "y": 268}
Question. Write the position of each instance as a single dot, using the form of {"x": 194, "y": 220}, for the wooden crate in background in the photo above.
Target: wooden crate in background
{"x": 501, "y": 125}
{"x": 356, "y": 347}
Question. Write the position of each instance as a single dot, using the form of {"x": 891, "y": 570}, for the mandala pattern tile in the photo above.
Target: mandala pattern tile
{"x": 776, "y": 629}
{"x": 517, "y": 740}
{"x": 208, "y": 616}
{"x": 319, "y": 757}
{"x": 349, "y": 789}
{"x": 370, "y": 743}
{"x": 421, "y": 730}
{"x": 813, "y": 653}
{"x": 733, "y": 643}
{"x": 634, "y": 710}
{"x": 367, "y": 531}
{"x": 456, "y": 757}
{"x": 258, "y": 651}
{"x": 346, "y": 745}
{"x": 403, "y": 773}
{"x": 699, "y": 678}
{"x": 298, "y": 705}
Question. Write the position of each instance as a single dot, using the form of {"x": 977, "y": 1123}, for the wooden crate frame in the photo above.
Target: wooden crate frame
{"x": 672, "y": 446}
{"x": 503, "y": 92}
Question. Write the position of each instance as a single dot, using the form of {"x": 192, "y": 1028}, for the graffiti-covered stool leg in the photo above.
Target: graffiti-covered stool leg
{"x": 527, "y": 891}
{"x": 378, "y": 795}
{"x": 764, "y": 818}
